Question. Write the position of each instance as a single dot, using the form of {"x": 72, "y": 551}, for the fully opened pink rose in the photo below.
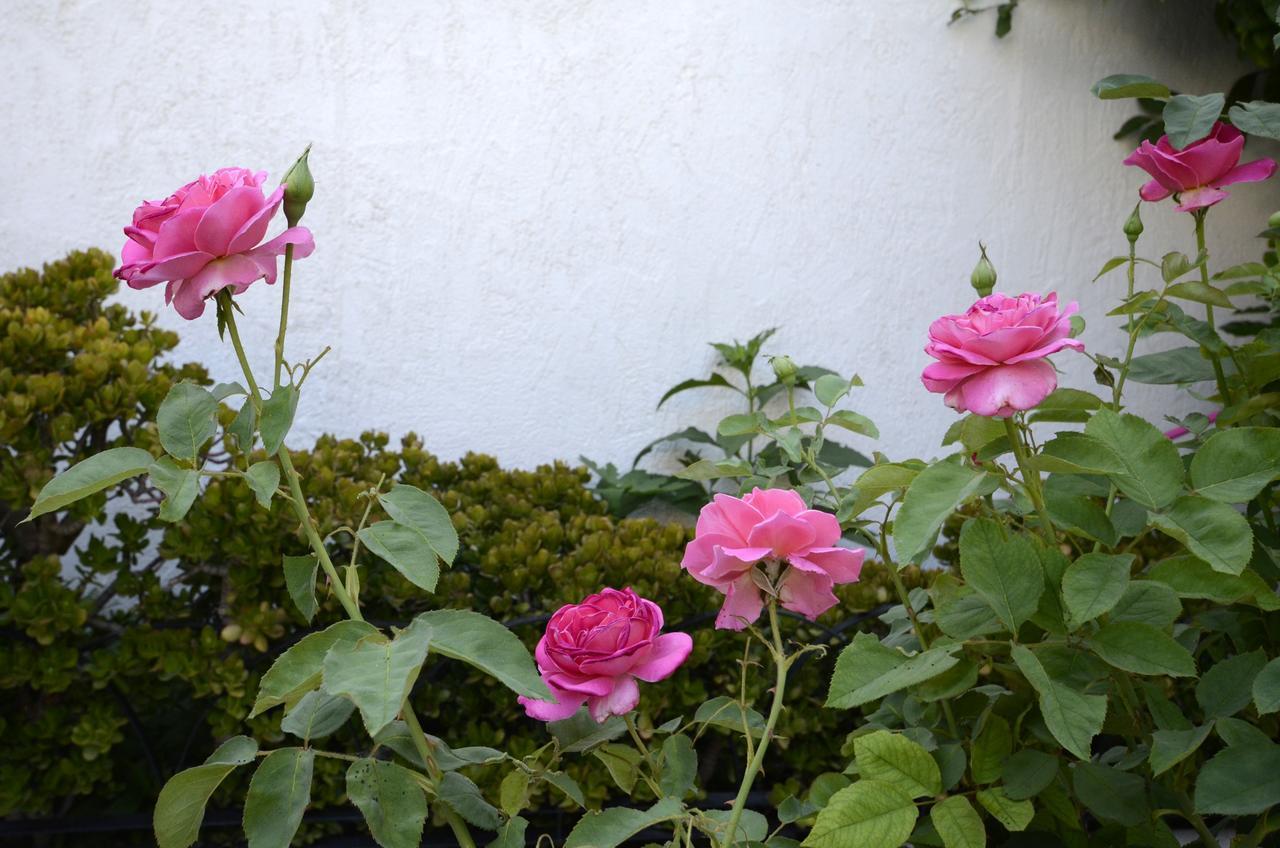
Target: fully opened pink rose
{"x": 773, "y": 529}
{"x": 206, "y": 237}
{"x": 992, "y": 359}
{"x": 594, "y": 652}
{"x": 1197, "y": 172}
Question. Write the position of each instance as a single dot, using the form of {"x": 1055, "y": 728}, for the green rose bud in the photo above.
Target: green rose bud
{"x": 983, "y": 278}
{"x": 1274, "y": 220}
{"x": 1133, "y": 225}
{"x": 298, "y": 188}
{"x": 784, "y": 369}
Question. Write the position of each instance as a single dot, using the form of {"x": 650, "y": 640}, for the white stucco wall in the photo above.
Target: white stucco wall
{"x": 531, "y": 216}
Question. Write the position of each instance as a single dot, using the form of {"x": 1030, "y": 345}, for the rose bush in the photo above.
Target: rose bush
{"x": 1041, "y": 686}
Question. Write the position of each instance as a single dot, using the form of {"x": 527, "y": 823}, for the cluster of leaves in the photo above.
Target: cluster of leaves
{"x": 768, "y": 444}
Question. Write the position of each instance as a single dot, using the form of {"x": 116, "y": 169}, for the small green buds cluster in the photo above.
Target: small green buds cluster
{"x": 784, "y": 368}
{"x": 1133, "y": 225}
{"x": 299, "y": 188}
{"x": 983, "y": 278}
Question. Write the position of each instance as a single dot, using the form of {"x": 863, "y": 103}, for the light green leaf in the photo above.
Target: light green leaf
{"x": 300, "y": 580}
{"x": 990, "y": 750}
{"x": 622, "y": 763}
{"x": 1152, "y": 470}
{"x": 180, "y": 486}
{"x": 186, "y": 420}
{"x": 392, "y": 802}
{"x": 895, "y": 759}
{"x": 298, "y": 670}
{"x": 829, "y": 388}
{"x": 1233, "y": 465}
{"x": 278, "y": 796}
{"x": 88, "y": 476}
{"x": 510, "y": 835}
{"x": 1111, "y": 794}
{"x": 405, "y": 549}
{"x": 1189, "y": 118}
{"x": 1200, "y": 292}
{"x": 1257, "y": 117}
{"x": 854, "y": 422}
{"x": 752, "y": 827}
{"x": 679, "y": 766}
{"x": 868, "y": 814}
{"x": 1028, "y": 773}
{"x": 714, "y": 469}
{"x": 580, "y": 732}
{"x": 415, "y": 508}
{"x": 934, "y": 494}
{"x": 1072, "y": 717}
{"x": 1212, "y": 531}
{"x": 488, "y": 645}
{"x": 316, "y": 716}
{"x": 567, "y": 785}
{"x": 1266, "y": 688}
{"x": 1121, "y": 86}
{"x": 263, "y": 478}
{"x": 1240, "y": 781}
{"x": 462, "y": 794}
{"x": 244, "y": 425}
{"x": 725, "y": 712}
{"x": 1093, "y": 584}
{"x": 867, "y": 671}
{"x": 1014, "y": 815}
{"x": 277, "y": 417}
{"x": 377, "y": 674}
{"x": 513, "y": 793}
{"x": 1149, "y": 602}
{"x": 958, "y": 823}
{"x": 180, "y": 807}
{"x": 610, "y": 828}
{"x": 1142, "y": 649}
{"x": 1004, "y": 571}
{"x": 1227, "y": 687}
{"x": 1170, "y": 747}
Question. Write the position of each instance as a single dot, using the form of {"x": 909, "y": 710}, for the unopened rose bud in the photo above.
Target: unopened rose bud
{"x": 983, "y": 278}
{"x": 784, "y": 369}
{"x": 1274, "y": 220}
{"x": 1133, "y": 225}
{"x": 299, "y": 187}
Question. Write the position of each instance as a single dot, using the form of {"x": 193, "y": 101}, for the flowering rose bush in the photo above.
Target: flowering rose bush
{"x": 992, "y": 360}
{"x": 1044, "y": 684}
{"x": 206, "y": 237}
{"x": 594, "y": 652}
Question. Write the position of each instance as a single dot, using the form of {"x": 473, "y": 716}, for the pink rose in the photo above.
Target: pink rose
{"x": 1197, "y": 172}
{"x": 204, "y": 237}
{"x": 991, "y": 359}
{"x": 771, "y": 528}
{"x": 593, "y": 653}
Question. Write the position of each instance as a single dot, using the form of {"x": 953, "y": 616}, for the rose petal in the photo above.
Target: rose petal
{"x": 622, "y": 700}
{"x": 669, "y": 651}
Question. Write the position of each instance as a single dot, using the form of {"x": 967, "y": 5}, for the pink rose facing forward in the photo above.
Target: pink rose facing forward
{"x": 992, "y": 359}
{"x": 205, "y": 237}
{"x": 771, "y": 528}
{"x": 594, "y": 652}
{"x": 1197, "y": 172}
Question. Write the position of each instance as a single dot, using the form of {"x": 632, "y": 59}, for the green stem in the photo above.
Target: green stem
{"x": 1030, "y": 480}
{"x": 284, "y": 309}
{"x": 423, "y": 747}
{"x": 298, "y": 500}
{"x": 1118, "y": 389}
{"x": 1218, "y": 374}
{"x": 629, "y": 718}
{"x": 1192, "y": 817}
{"x": 775, "y": 710}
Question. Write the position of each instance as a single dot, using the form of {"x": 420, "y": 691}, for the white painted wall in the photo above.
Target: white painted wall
{"x": 532, "y": 215}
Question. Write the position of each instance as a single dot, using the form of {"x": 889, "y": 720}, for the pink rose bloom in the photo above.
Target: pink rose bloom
{"x": 1197, "y": 172}
{"x": 992, "y": 359}
{"x": 205, "y": 237}
{"x": 771, "y": 528}
{"x": 594, "y": 652}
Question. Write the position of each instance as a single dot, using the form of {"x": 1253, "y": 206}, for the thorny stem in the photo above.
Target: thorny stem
{"x": 423, "y": 747}
{"x": 1218, "y": 373}
{"x": 644, "y": 752}
{"x": 1030, "y": 480}
{"x": 781, "y": 663}
{"x": 284, "y": 310}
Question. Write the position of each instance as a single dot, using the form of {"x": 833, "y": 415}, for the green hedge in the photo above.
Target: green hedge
{"x": 151, "y": 678}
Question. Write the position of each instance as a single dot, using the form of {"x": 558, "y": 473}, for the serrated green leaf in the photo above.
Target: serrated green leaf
{"x": 391, "y": 801}
{"x": 895, "y": 759}
{"x": 298, "y": 670}
{"x": 868, "y": 814}
{"x": 278, "y": 796}
{"x": 375, "y": 673}
{"x": 263, "y": 478}
{"x": 186, "y": 420}
{"x": 88, "y": 476}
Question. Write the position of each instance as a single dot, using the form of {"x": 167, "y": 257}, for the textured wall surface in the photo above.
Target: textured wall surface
{"x": 531, "y": 216}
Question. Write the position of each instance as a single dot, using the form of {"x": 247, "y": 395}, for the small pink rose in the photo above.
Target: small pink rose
{"x": 205, "y": 237}
{"x": 1197, "y": 172}
{"x": 769, "y": 528}
{"x": 594, "y": 652}
{"x": 992, "y": 360}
